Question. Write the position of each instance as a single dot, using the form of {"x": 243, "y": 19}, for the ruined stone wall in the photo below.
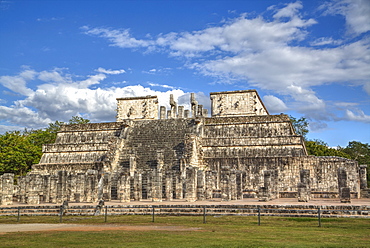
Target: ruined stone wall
{"x": 79, "y": 147}
{"x": 137, "y": 108}
{"x": 237, "y": 103}
{"x": 251, "y": 136}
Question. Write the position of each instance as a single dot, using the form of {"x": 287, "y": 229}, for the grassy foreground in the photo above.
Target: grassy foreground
{"x": 226, "y": 231}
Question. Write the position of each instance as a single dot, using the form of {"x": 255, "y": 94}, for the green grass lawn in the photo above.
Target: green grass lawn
{"x": 226, "y": 231}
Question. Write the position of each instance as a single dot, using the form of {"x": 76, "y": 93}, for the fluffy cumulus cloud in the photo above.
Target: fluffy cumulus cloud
{"x": 59, "y": 97}
{"x": 265, "y": 53}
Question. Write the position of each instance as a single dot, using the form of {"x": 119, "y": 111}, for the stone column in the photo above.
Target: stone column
{"x": 173, "y": 105}
{"x": 239, "y": 185}
{"x": 265, "y": 192}
{"x": 344, "y": 191}
{"x": 194, "y": 105}
{"x": 7, "y": 187}
{"x": 22, "y": 189}
{"x": 62, "y": 187}
{"x": 138, "y": 186}
{"x": 191, "y": 184}
{"x": 179, "y": 187}
{"x": 205, "y": 112}
{"x": 180, "y": 114}
{"x": 209, "y": 184}
{"x": 132, "y": 165}
{"x": 80, "y": 187}
{"x": 304, "y": 189}
{"x": 124, "y": 188}
{"x": 363, "y": 179}
{"x": 201, "y": 185}
{"x": 200, "y": 110}
{"x": 33, "y": 188}
{"x": 186, "y": 113}
{"x": 232, "y": 187}
{"x": 91, "y": 186}
{"x": 225, "y": 186}
{"x": 53, "y": 188}
{"x": 156, "y": 185}
{"x": 162, "y": 113}
{"x": 107, "y": 186}
{"x": 169, "y": 186}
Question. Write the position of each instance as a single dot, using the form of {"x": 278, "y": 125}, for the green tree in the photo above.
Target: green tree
{"x": 17, "y": 153}
{"x": 20, "y": 150}
{"x": 361, "y": 153}
{"x": 300, "y": 126}
{"x": 320, "y": 148}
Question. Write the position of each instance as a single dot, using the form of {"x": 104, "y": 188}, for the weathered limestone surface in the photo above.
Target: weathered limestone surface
{"x": 239, "y": 152}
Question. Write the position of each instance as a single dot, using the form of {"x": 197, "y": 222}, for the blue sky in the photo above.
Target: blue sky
{"x": 305, "y": 58}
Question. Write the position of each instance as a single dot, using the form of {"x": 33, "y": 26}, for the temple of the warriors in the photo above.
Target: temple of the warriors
{"x": 158, "y": 154}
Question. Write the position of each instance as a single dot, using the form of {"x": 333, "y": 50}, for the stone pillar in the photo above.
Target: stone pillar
{"x": 205, "y": 112}
{"x": 179, "y": 187}
{"x": 186, "y": 113}
{"x": 232, "y": 187}
{"x": 200, "y": 110}
{"x": 363, "y": 179}
{"x": 80, "y": 187}
{"x": 344, "y": 191}
{"x": 91, "y": 186}
{"x": 46, "y": 187}
{"x": 201, "y": 185}
{"x": 22, "y": 189}
{"x": 169, "y": 186}
{"x": 225, "y": 186}
{"x": 124, "y": 188}
{"x": 194, "y": 105}
{"x": 7, "y": 188}
{"x": 53, "y": 188}
{"x": 61, "y": 187}
{"x": 138, "y": 186}
{"x": 156, "y": 185}
{"x": 265, "y": 192}
{"x": 169, "y": 114}
{"x": 173, "y": 105}
{"x": 162, "y": 113}
{"x": 33, "y": 188}
{"x": 107, "y": 186}
{"x": 209, "y": 175}
{"x": 191, "y": 184}
{"x": 180, "y": 114}
{"x": 304, "y": 189}
{"x": 239, "y": 185}
{"x": 132, "y": 165}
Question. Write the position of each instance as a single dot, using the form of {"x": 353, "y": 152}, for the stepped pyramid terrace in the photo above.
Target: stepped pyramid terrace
{"x": 156, "y": 154}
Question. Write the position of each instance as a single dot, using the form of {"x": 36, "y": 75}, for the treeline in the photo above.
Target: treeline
{"x": 19, "y": 150}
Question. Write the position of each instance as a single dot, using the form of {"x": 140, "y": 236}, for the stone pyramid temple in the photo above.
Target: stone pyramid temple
{"x": 151, "y": 153}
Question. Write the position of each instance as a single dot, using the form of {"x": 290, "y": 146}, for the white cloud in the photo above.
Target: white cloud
{"x": 267, "y": 54}
{"x": 114, "y": 72}
{"x": 60, "y": 97}
{"x": 274, "y": 104}
{"x": 322, "y": 41}
{"x": 356, "y": 13}
{"x": 360, "y": 116}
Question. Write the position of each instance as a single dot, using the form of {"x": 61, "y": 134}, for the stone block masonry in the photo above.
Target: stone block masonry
{"x": 151, "y": 153}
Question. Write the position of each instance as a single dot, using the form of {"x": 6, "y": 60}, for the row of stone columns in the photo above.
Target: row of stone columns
{"x": 62, "y": 186}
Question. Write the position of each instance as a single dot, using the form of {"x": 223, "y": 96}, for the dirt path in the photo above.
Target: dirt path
{"x": 5, "y": 228}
